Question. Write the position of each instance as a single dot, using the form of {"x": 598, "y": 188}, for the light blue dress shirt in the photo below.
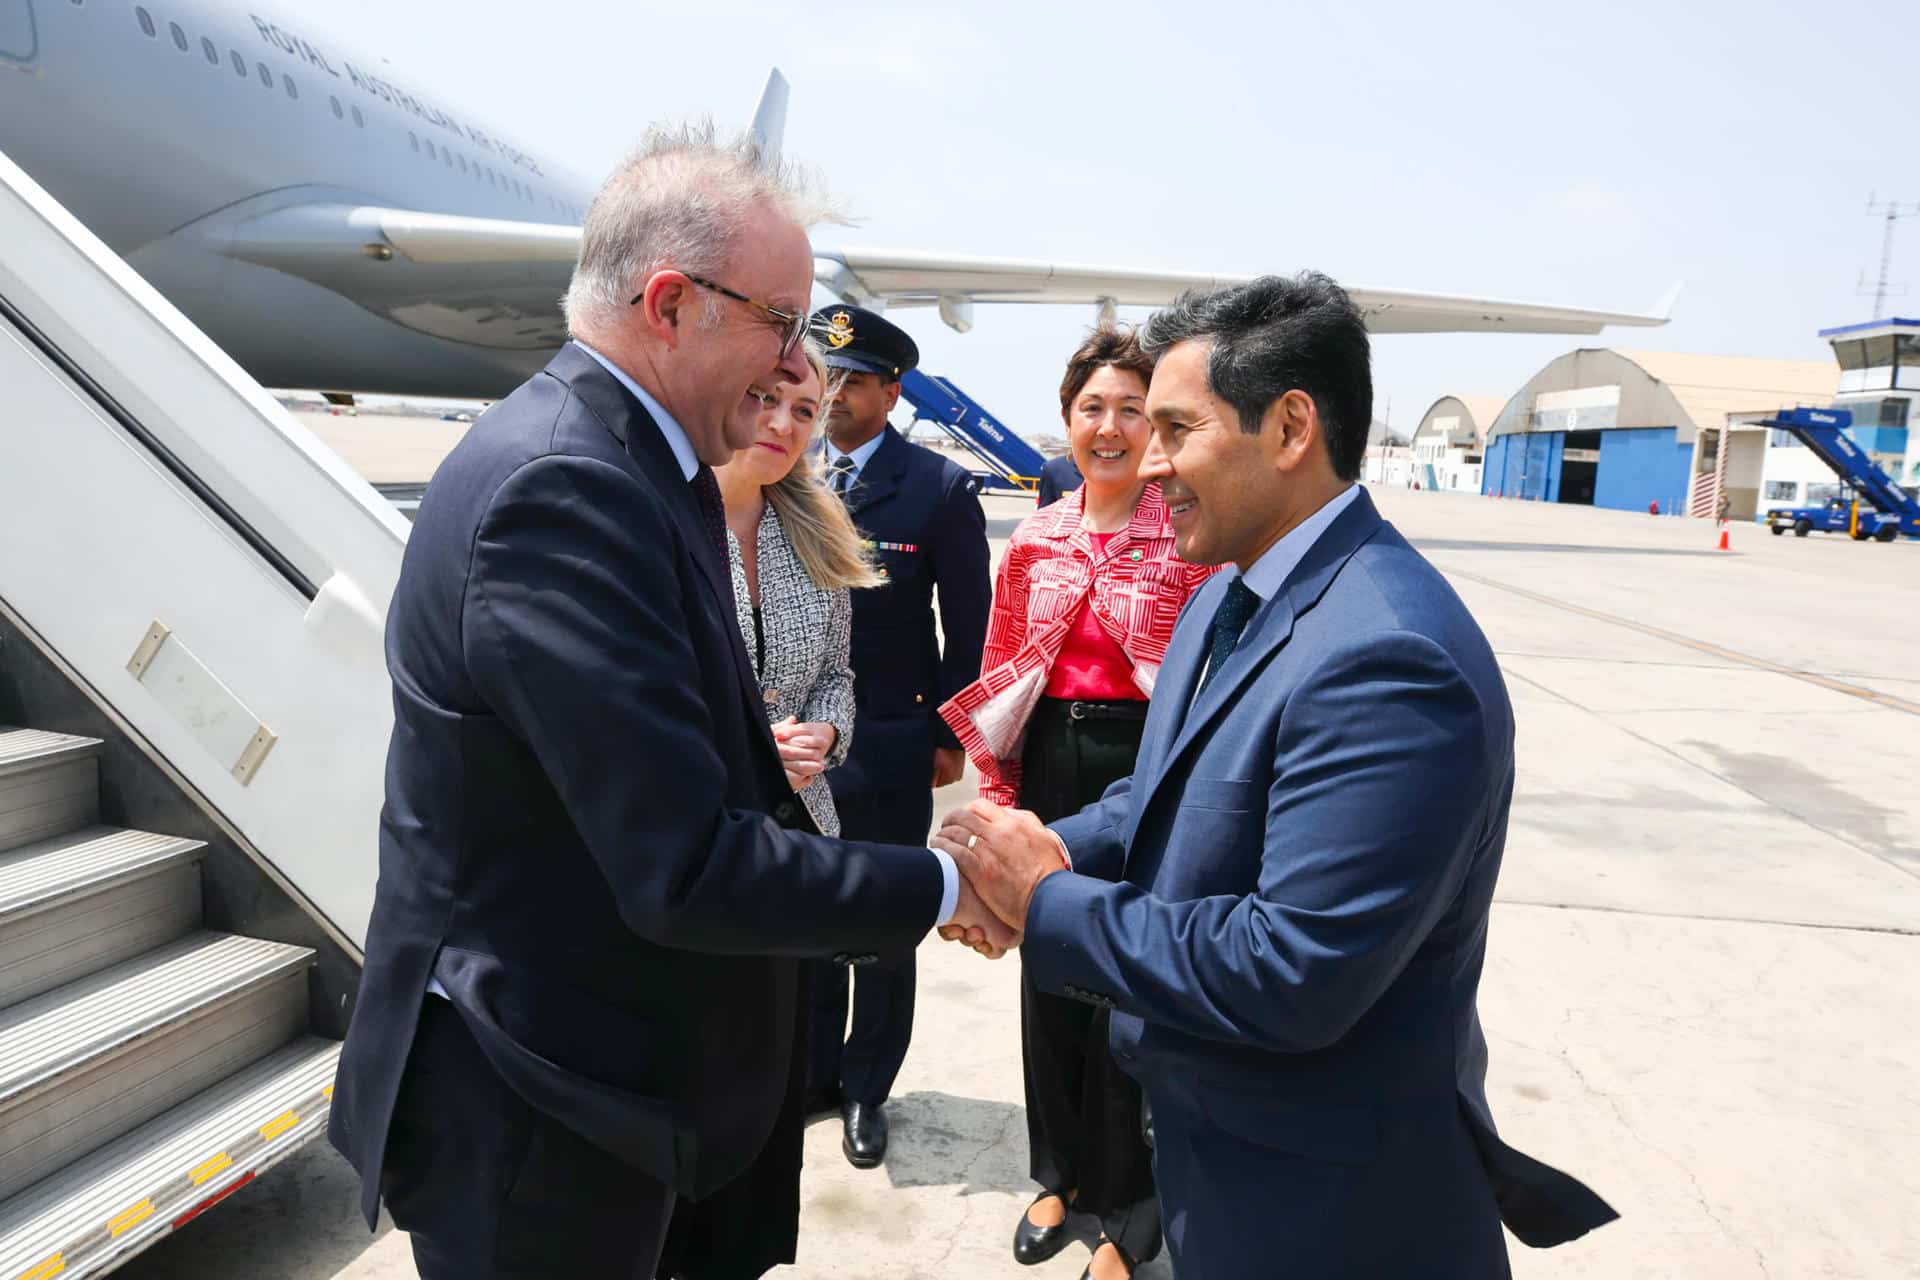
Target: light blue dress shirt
{"x": 670, "y": 427}
{"x": 1269, "y": 572}
{"x": 861, "y": 456}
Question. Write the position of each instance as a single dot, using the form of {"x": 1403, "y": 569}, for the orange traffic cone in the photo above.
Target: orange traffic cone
{"x": 1726, "y": 543}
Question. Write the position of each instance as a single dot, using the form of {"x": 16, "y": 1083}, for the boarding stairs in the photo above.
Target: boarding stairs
{"x": 1007, "y": 461}
{"x": 193, "y": 719}
{"x": 149, "y": 1067}
{"x": 1824, "y": 431}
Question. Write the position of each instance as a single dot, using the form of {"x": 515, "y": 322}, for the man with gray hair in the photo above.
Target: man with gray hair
{"x": 579, "y": 999}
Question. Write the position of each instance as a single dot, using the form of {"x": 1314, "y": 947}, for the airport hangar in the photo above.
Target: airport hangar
{"x": 1632, "y": 429}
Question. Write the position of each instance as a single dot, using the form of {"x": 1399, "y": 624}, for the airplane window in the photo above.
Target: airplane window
{"x": 266, "y": 76}
{"x": 292, "y": 92}
{"x": 447, "y": 156}
{"x": 146, "y": 21}
{"x": 339, "y": 114}
{"x": 213, "y": 54}
{"x": 359, "y": 120}
{"x": 239, "y": 63}
{"x": 179, "y": 36}
{"x": 463, "y": 164}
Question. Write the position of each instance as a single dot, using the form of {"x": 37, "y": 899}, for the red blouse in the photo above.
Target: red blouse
{"x": 1091, "y": 664}
{"x": 1053, "y": 581}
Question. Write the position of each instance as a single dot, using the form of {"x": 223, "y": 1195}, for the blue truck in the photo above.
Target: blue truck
{"x": 1871, "y": 505}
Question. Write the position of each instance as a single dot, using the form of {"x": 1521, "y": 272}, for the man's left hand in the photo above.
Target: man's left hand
{"x": 1004, "y": 854}
{"x": 948, "y": 764}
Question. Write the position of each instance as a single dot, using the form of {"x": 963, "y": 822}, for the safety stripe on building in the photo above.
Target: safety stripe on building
{"x": 185, "y": 1190}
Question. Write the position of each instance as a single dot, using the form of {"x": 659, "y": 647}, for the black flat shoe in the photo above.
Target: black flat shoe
{"x": 1125, "y": 1260}
{"x": 865, "y": 1139}
{"x": 1033, "y": 1245}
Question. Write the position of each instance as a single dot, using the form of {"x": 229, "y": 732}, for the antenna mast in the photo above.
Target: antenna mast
{"x": 1892, "y": 211}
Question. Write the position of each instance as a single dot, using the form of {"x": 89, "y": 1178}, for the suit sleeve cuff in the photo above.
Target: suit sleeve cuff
{"x": 950, "y": 888}
{"x": 1065, "y": 856}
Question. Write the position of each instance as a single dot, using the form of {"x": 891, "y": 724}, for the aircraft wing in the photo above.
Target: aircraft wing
{"x": 954, "y": 282}
{"x": 491, "y": 282}
{"x": 497, "y": 282}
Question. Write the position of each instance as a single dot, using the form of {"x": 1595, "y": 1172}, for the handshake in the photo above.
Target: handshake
{"x": 1002, "y": 855}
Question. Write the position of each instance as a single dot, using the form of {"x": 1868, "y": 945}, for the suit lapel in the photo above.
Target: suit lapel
{"x": 1267, "y": 632}
{"x": 629, "y": 422}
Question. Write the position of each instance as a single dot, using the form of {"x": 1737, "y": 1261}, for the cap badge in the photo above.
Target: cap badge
{"x": 839, "y": 330}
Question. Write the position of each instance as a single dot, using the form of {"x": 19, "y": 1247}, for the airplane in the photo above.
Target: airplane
{"x": 329, "y": 227}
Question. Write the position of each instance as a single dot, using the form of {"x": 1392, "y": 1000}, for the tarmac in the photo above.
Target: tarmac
{"x": 1700, "y": 987}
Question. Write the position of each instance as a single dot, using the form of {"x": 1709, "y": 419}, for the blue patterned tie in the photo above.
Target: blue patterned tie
{"x": 1229, "y": 620}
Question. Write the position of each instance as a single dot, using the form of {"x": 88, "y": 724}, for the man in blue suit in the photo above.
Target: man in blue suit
{"x": 921, "y": 519}
{"x": 596, "y": 884}
{"x": 1286, "y": 904}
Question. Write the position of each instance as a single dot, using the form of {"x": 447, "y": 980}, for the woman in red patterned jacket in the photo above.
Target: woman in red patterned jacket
{"x": 1083, "y": 608}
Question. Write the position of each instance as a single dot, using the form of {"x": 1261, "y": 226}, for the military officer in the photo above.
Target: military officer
{"x": 921, "y": 519}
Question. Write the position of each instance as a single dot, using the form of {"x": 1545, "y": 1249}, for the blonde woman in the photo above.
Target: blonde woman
{"x": 795, "y": 555}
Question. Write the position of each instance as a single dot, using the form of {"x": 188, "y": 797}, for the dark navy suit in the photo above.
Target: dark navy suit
{"x": 1059, "y": 476}
{"x": 585, "y": 841}
{"x": 1286, "y": 909}
{"x": 921, "y": 517}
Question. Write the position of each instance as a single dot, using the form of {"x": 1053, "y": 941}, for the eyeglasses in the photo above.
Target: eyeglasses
{"x": 793, "y": 323}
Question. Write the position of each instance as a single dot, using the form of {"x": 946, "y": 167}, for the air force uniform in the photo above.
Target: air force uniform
{"x": 921, "y": 519}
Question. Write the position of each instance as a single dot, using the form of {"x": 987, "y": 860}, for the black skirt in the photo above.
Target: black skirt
{"x": 1084, "y": 1115}
{"x": 751, "y": 1225}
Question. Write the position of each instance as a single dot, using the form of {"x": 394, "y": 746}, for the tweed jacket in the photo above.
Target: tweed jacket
{"x": 1136, "y": 588}
{"x": 806, "y": 672}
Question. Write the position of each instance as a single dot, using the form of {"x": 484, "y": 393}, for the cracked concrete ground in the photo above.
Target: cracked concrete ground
{"x": 1700, "y": 985}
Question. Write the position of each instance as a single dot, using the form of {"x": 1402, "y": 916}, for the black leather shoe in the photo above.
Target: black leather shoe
{"x": 866, "y": 1134}
{"x": 1033, "y": 1245}
{"x": 1125, "y": 1261}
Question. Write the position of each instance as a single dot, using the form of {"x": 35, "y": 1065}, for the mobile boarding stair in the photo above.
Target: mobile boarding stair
{"x": 193, "y": 713}
{"x": 1824, "y": 431}
{"x": 1007, "y": 461}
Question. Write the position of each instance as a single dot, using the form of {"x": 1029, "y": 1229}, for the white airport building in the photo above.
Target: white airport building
{"x": 1450, "y": 442}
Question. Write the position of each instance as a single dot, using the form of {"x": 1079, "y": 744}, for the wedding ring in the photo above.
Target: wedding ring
{"x": 971, "y": 841}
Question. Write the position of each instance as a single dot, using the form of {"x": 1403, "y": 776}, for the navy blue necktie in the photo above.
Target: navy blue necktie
{"x": 1229, "y": 620}
{"x": 842, "y": 469}
{"x": 712, "y": 513}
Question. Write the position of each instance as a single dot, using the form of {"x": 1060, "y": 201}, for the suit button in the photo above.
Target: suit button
{"x": 919, "y": 697}
{"x": 783, "y": 812}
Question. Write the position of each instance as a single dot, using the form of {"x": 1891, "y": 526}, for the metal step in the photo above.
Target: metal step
{"x": 76, "y": 903}
{"x": 86, "y": 1219}
{"x": 49, "y": 784}
{"x": 86, "y": 1063}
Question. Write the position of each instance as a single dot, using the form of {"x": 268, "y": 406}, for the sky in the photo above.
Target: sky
{"x": 1583, "y": 155}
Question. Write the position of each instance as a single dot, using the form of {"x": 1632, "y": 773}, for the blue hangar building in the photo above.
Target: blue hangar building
{"x": 1628, "y": 429}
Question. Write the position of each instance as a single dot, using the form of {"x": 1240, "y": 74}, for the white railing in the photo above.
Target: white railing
{"x": 145, "y": 479}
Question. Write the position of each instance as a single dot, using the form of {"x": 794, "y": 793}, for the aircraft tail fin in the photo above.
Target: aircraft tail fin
{"x": 1664, "y": 307}
{"x": 770, "y": 117}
